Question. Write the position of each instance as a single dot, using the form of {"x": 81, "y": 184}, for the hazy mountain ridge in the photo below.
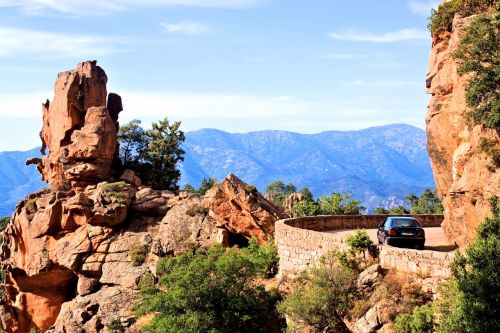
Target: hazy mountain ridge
{"x": 379, "y": 165}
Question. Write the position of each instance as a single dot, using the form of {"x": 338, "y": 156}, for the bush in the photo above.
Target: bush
{"x": 4, "y": 222}
{"x": 264, "y": 257}
{"x": 427, "y": 203}
{"x": 137, "y": 254}
{"x": 420, "y": 320}
{"x": 115, "y": 326}
{"x": 442, "y": 18}
{"x": 114, "y": 192}
{"x": 492, "y": 149}
{"x": 196, "y": 209}
{"x": 211, "y": 292}
{"x": 477, "y": 274}
{"x": 322, "y": 296}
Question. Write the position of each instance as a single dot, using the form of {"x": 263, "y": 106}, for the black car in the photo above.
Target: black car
{"x": 402, "y": 231}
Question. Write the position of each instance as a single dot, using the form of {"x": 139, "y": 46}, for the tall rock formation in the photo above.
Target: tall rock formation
{"x": 74, "y": 253}
{"x": 463, "y": 172}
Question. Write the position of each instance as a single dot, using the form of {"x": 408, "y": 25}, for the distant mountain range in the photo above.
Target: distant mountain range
{"x": 378, "y": 165}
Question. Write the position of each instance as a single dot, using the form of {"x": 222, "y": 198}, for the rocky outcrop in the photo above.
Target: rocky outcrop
{"x": 74, "y": 253}
{"x": 79, "y": 128}
{"x": 462, "y": 170}
{"x": 241, "y": 209}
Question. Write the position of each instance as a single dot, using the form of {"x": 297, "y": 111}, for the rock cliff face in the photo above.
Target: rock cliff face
{"x": 463, "y": 172}
{"x": 74, "y": 254}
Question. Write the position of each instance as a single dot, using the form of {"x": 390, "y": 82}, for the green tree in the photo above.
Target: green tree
{"x": 189, "y": 188}
{"x": 399, "y": 210}
{"x": 154, "y": 153}
{"x": 132, "y": 139}
{"x": 381, "y": 211}
{"x": 307, "y": 194}
{"x": 427, "y": 203}
{"x": 339, "y": 204}
{"x": 211, "y": 292}
{"x": 305, "y": 208}
{"x": 477, "y": 273}
{"x": 206, "y": 184}
{"x": 277, "y": 191}
{"x": 479, "y": 57}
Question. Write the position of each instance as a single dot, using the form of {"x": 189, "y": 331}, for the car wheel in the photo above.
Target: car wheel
{"x": 420, "y": 246}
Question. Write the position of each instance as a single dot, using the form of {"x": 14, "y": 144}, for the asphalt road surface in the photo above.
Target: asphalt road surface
{"x": 434, "y": 238}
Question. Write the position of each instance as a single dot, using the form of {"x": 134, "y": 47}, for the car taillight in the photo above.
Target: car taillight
{"x": 391, "y": 232}
{"x": 421, "y": 233}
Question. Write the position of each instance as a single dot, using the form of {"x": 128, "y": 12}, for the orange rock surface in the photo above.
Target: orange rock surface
{"x": 463, "y": 172}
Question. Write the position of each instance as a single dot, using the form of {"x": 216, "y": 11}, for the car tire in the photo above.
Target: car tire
{"x": 420, "y": 246}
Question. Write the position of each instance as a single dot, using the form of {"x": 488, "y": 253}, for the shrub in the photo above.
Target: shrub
{"x": 477, "y": 55}
{"x": 31, "y": 207}
{"x": 206, "y": 184}
{"x": 114, "y": 192}
{"x": 4, "y": 222}
{"x": 207, "y": 292}
{"x": 420, "y": 320}
{"x": 322, "y": 296}
{"x": 137, "y": 254}
{"x": 115, "y": 326}
{"x": 264, "y": 257}
{"x": 196, "y": 209}
{"x": 250, "y": 188}
{"x": 492, "y": 149}
{"x": 477, "y": 274}
{"x": 427, "y": 203}
{"x": 441, "y": 19}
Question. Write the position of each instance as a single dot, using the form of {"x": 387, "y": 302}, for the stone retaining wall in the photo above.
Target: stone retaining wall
{"x": 302, "y": 241}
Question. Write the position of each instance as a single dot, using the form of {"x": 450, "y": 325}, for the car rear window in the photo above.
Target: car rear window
{"x": 405, "y": 223}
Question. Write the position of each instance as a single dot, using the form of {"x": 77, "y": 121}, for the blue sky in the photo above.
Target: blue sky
{"x": 235, "y": 65}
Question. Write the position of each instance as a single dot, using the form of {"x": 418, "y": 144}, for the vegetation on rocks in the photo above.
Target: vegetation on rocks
{"x": 137, "y": 253}
{"x": 442, "y": 18}
{"x": 114, "y": 192}
{"x": 478, "y": 55}
{"x": 214, "y": 291}
{"x": 154, "y": 153}
{"x": 277, "y": 191}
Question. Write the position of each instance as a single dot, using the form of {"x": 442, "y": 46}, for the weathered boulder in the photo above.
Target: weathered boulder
{"x": 78, "y": 129}
{"x": 463, "y": 172}
{"x": 241, "y": 209}
{"x": 291, "y": 200}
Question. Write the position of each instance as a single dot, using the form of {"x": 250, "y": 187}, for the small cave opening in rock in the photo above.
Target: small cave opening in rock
{"x": 237, "y": 240}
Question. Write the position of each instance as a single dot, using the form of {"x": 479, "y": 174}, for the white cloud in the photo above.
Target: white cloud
{"x": 99, "y": 7}
{"x": 186, "y": 27}
{"x": 396, "y": 36}
{"x": 16, "y": 42}
{"x": 423, "y": 7}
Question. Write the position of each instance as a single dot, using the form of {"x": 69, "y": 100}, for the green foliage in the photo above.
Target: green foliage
{"x": 477, "y": 273}
{"x": 206, "y": 184}
{"x": 442, "y": 18}
{"x": 339, "y": 204}
{"x": 305, "y": 208}
{"x": 420, "y": 320}
{"x": 189, "y": 188}
{"x": 154, "y": 153}
{"x": 478, "y": 55}
{"x": 447, "y": 308}
{"x": 132, "y": 138}
{"x": 307, "y": 194}
{"x": 250, "y": 188}
{"x": 4, "y": 222}
{"x": 137, "y": 253}
{"x": 322, "y": 296}
{"x": 360, "y": 243}
{"x": 208, "y": 292}
{"x": 381, "y": 211}
{"x": 115, "y": 326}
{"x": 399, "y": 210}
{"x": 277, "y": 191}
{"x": 427, "y": 203}
{"x": 114, "y": 192}
{"x": 492, "y": 149}
{"x": 264, "y": 257}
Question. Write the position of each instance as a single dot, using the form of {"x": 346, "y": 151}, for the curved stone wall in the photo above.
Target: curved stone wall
{"x": 302, "y": 241}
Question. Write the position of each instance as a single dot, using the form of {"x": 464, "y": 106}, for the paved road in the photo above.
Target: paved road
{"x": 434, "y": 237}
